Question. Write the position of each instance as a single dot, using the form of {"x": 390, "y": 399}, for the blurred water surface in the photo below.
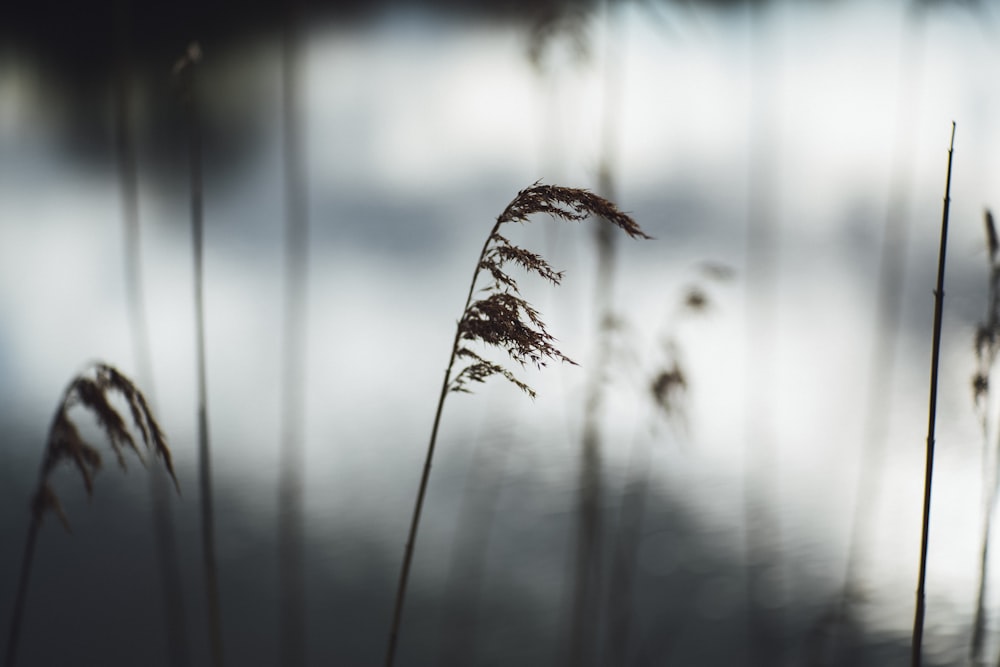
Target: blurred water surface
{"x": 810, "y": 123}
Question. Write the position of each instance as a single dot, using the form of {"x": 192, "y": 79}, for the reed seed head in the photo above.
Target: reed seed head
{"x": 502, "y": 318}
{"x": 93, "y": 391}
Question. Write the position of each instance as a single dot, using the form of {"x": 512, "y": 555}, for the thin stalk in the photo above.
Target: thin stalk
{"x": 14, "y": 632}
{"x": 918, "y": 619}
{"x": 404, "y": 574}
{"x": 178, "y": 647}
{"x": 189, "y": 65}
{"x": 586, "y": 609}
{"x": 986, "y": 353}
{"x": 291, "y": 589}
{"x": 27, "y": 560}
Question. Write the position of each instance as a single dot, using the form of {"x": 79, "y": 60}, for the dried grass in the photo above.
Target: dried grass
{"x": 504, "y": 320}
{"x": 93, "y": 391}
{"x": 65, "y": 444}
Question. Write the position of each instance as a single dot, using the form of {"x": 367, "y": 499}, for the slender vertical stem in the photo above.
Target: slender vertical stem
{"x": 291, "y": 588}
{"x": 586, "y": 610}
{"x": 178, "y": 647}
{"x": 986, "y": 353}
{"x": 14, "y": 633}
{"x": 204, "y": 453}
{"x": 404, "y": 574}
{"x": 918, "y": 619}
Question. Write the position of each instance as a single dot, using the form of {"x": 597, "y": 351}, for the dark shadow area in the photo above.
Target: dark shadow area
{"x": 94, "y": 598}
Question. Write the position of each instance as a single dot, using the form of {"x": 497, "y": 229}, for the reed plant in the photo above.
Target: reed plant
{"x": 501, "y": 318}
{"x": 987, "y": 347}
{"x": 661, "y": 386}
{"x": 184, "y": 74}
{"x": 168, "y": 561}
{"x": 916, "y": 654}
{"x": 92, "y": 390}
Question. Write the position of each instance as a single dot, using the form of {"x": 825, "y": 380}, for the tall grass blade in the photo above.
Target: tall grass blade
{"x": 586, "y": 601}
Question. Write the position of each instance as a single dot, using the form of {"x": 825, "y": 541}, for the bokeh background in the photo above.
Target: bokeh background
{"x": 788, "y": 157}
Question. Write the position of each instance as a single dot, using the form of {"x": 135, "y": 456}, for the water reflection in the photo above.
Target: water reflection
{"x": 419, "y": 130}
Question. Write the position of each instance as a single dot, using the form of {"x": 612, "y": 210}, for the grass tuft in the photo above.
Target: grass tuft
{"x": 94, "y": 392}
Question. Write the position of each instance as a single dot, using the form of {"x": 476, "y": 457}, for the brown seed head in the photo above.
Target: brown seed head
{"x": 93, "y": 392}
{"x": 502, "y": 318}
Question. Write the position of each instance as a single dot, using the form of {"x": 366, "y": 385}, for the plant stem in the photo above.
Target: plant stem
{"x": 178, "y": 647}
{"x": 586, "y": 600}
{"x": 986, "y": 353}
{"x": 918, "y": 620}
{"x": 291, "y": 589}
{"x": 418, "y": 505}
{"x": 14, "y": 633}
{"x": 204, "y": 453}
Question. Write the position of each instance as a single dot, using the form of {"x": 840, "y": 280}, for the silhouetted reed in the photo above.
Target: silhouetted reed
{"x": 987, "y": 346}
{"x": 93, "y": 392}
{"x": 918, "y": 617}
{"x": 501, "y": 318}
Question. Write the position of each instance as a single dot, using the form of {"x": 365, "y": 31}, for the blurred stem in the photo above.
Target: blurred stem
{"x": 204, "y": 453}
{"x": 14, "y": 632}
{"x": 291, "y": 589}
{"x": 986, "y": 352}
{"x": 178, "y": 646}
{"x": 585, "y": 611}
{"x": 625, "y": 555}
